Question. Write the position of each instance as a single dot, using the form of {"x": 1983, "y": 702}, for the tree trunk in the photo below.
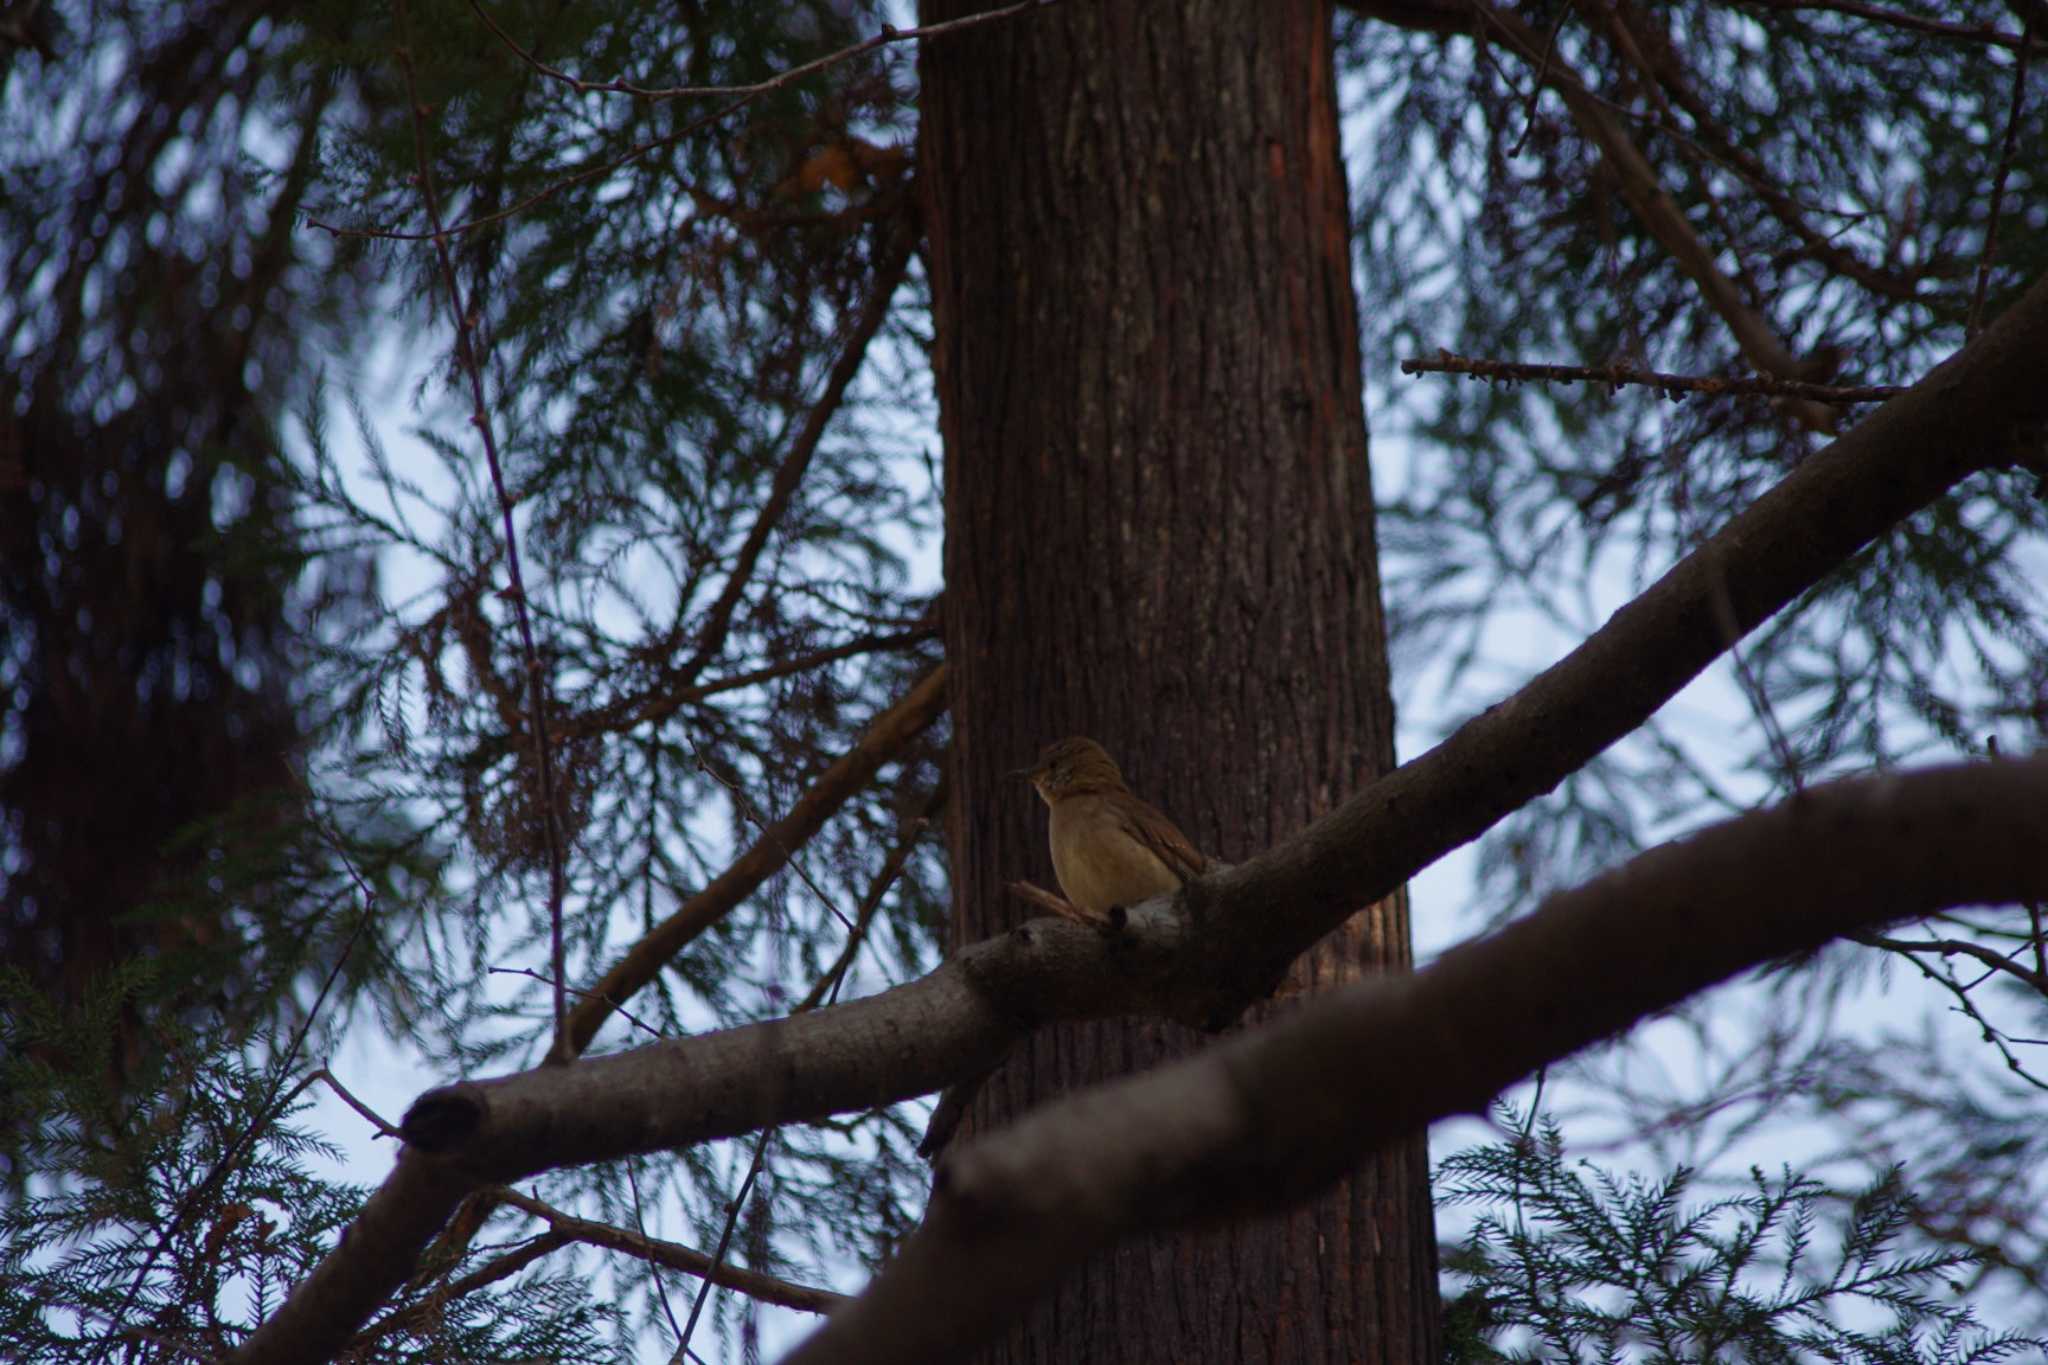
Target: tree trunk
{"x": 1159, "y": 533}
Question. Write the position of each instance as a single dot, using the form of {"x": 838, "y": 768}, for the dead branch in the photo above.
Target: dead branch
{"x": 1616, "y": 375}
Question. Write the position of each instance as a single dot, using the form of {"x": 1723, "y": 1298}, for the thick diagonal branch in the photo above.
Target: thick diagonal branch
{"x": 1273, "y": 1116}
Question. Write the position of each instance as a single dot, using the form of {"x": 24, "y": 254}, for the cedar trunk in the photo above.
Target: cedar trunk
{"x": 1159, "y": 533}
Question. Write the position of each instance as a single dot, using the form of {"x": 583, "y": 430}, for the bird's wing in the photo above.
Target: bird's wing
{"x": 1167, "y": 843}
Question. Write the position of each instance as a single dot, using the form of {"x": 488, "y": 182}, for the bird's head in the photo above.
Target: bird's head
{"x": 1070, "y": 767}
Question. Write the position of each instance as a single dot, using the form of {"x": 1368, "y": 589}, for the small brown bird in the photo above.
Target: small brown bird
{"x": 1108, "y": 847}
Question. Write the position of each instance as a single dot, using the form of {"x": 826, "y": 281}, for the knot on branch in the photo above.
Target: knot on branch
{"x": 444, "y": 1118}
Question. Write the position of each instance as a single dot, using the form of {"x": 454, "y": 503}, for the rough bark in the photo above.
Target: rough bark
{"x": 1159, "y": 534}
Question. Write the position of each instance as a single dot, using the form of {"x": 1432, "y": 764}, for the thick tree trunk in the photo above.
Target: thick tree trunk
{"x": 1156, "y": 478}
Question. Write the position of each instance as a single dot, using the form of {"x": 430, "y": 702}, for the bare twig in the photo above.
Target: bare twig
{"x": 1671, "y": 385}
{"x": 753, "y": 817}
{"x": 1752, "y": 687}
{"x": 1946, "y": 979}
{"x": 640, "y": 1227}
{"x": 675, "y": 1256}
{"x": 1033, "y": 894}
{"x": 1997, "y": 961}
{"x": 891, "y": 869}
{"x": 624, "y": 1013}
{"x": 479, "y": 417}
{"x": 732, "y": 1218}
{"x": 376, "y": 1120}
{"x": 887, "y": 34}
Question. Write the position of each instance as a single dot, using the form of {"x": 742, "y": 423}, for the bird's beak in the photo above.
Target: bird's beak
{"x": 1021, "y": 774}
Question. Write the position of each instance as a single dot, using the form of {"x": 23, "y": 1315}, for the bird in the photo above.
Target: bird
{"x": 1109, "y": 848}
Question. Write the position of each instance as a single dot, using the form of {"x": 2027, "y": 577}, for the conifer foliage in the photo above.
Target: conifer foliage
{"x": 582, "y": 687}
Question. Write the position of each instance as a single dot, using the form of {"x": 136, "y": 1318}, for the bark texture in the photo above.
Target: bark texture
{"x": 1159, "y": 535}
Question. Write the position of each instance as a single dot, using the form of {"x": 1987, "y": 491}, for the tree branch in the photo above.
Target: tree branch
{"x": 1273, "y": 1116}
{"x": 676, "y": 1256}
{"x": 884, "y": 739}
{"x": 1718, "y": 144}
{"x": 888, "y": 33}
{"x": 889, "y": 274}
{"x": 1967, "y": 33}
{"x": 658, "y": 705}
{"x": 1659, "y": 213}
{"x": 1238, "y": 929}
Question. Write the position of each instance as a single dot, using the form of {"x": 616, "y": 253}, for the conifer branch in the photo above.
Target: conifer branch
{"x": 465, "y": 323}
{"x": 885, "y": 738}
{"x": 1251, "y": 920}
{"x": 889, "y": 273}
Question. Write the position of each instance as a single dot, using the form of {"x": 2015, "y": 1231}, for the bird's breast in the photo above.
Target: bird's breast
{"x": 1098, "y": 862}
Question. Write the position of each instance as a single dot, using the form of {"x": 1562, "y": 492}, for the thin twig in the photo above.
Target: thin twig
{"x": 1536, "y": 87}
{"x": 479, "y": 417}
{"x": 1991, "y": 958}
{"x": 2012, "y": 128}
{"x": 1968, "y": 33}
{"x": 828, "y": 986}
{"x": 376, "y": 1120}
{"x": 675, "y": 1256}
{"x": 1964, "y": 1004}
{"x": 631, "y": 1018}
{"x": 1752, "y": 687}
{"x": 732, "y": 1218}
{"x": 887, "y": 34}
{"x": 889, "y": 273}
{"x": 754, "y": 818}
{"x": 640, "y": 1228}
{"x": 652, "y": 707}
{"x": 1672, "y": 385}
{"x": 892, "y": 868}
